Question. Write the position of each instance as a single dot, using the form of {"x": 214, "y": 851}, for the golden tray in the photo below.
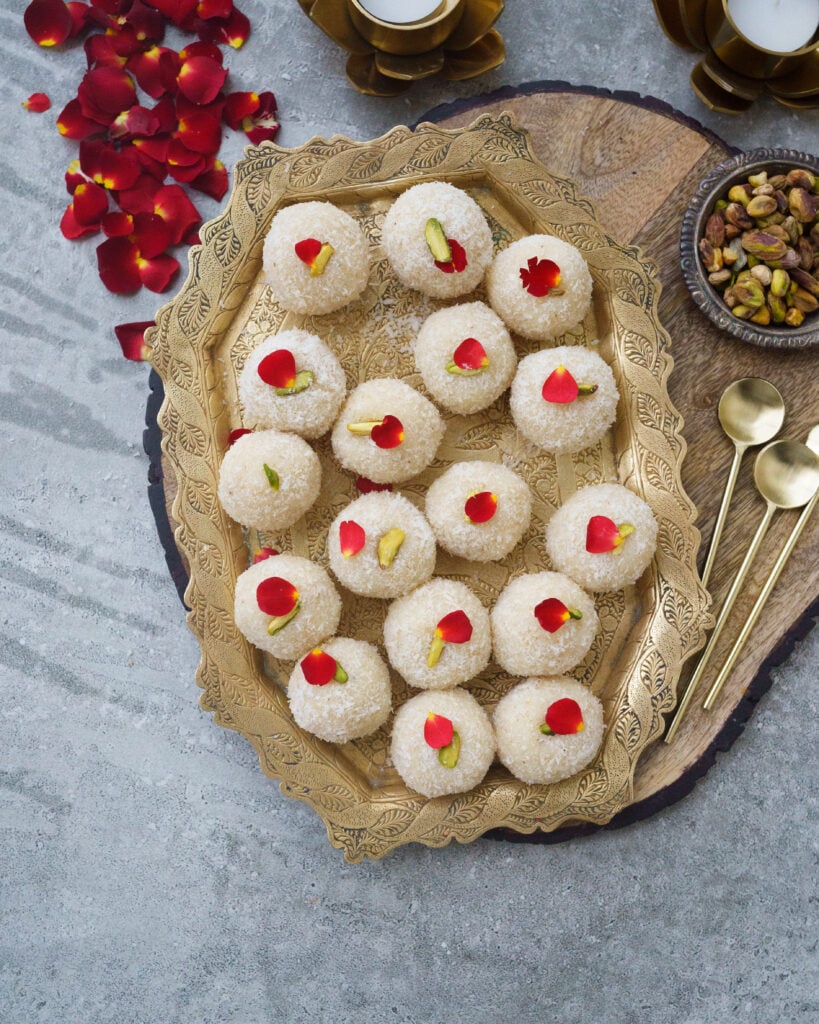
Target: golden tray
{"x": 224, "y": 310}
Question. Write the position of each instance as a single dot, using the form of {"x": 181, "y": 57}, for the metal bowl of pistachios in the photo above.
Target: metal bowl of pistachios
{"x": 750, "y": 248}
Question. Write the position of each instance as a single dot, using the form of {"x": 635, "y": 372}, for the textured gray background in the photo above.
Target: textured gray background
{"x": 149, "y": 870}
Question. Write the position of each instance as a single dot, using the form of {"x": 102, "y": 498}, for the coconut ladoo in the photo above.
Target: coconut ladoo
{"x": 380, "y": 545}
{"x": 292, "y": 382}
{"x": 540, "y": 286}
{"x": 315, "y": 258}
{"x": 442, "y": 742}
{"x": 269, "y": 479}
{"x": 286, "y": 605}
{"x": 438, "y": 636}
{"x": 340, "y": 690}
{"x": 548, "y": 729}
{"x": 437, "y": 240}
{"x": 603, "y": 536}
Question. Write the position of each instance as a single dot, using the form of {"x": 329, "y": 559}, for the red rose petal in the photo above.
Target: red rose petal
{"x": 139, "y": 198}
{"x": 351, "y": 538}
{"x": 234, "y": 435}
{"x": 552, "y": 614}
{"x": 132, "y": 339}
{"x": 367, "y": 486}
{"x": 263, "y": 553}
{"x": 200, "y": 79}
{"x": 172, "y": 204}
{"x": 199, "y": 132}
{"x": 602, "y": 534}
{"x": 458, "y": 261}
{"x": 136, "y": 121}
{"x": 565, "y": 717}
{"x": 238, "y": 106}
{"x": 201, "y": 49}
{"x": 539, "y": 276}
{"x": 278, "y": 369}
{"x": 307, "y": 250}
{"x": 154, "y": 70}
{"x": 438, "y": 730}
{"x": 118, "y": 265}
{"x": 37, "y": 103}
{"x": 79, "y": 16}
{"x": 481, "y": 507}
{"x": 107, "y": 166}
{"x": 319, "y": 667}
{"x": 90, "y": 203}
{"x": 560, "y": 387}
{"x": 147, "y": 22}
{"x": 213, "y": 182}
{"x": 71, "y": 227}
{"x": 276, "y": 596}
{"x": 262, "y": 125}
{"x": 73, "y": 124}
{"x": 214, "y": 9}
{"x": 151, "y": 234}
{"x": 455, "y": 628}
{"x": 233, "y": 31}
{"x": 111, "y": 50}
{"x": 389, "y": 433}
{"x": 177, "y": 11}
{"x": 105, "y": 92}
{"x": 74, "y": 177}
{"x": 48, "y": 22}
{"x": 470, "y": 355}
{"x": 158, "y": 272}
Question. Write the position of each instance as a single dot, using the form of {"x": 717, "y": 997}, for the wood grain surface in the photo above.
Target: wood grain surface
{"x": 640, "y": 162}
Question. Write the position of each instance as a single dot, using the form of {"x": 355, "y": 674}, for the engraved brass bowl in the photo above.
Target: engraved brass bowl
{"x": 457, "y": 42}
{"x": 713, "y": 187}
{"x": 224, "y": 310}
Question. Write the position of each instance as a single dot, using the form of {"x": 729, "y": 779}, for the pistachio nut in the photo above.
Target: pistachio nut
{"x": 793, "y": 227}
{"x": 780, "y": 282}
{"x": 763, "y": 245}
{"x": 736, "y": 214}
{"x": 806, "y": 253}
{"x": 794, "y": 317}
{"x": 762, "y": 274}
{"x": 732, "y": 231}
{"x": 744, "y": 312}
{"x": 764, "y": 190}
{"x": 787, "y": 262}
{"x": 750, "y": 293}
{"x": 761, "y": 206}
{"x": 778, "y": 181}
{"x": 740, "y": 194}
{"x": 800, "y": 178}
{"x": 756, "y": 180}
{"x": 719, "y": 277}
{"x": 806, "y": 281}
{"x": 715, "y": 230}
{"x": 781, "y": 201}
{"x": 762, "y": 316}
{"x": 778, "y": 308}
{"x": 802, "y": 205}
{"x": 805, "y": 301}
{"x": 729, "y": 298}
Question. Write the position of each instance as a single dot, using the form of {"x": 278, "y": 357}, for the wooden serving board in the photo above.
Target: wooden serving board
{"x": 641, "y": 161}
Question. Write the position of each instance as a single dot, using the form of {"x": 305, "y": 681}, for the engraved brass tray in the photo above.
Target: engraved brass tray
{"x": 223, "y": 311}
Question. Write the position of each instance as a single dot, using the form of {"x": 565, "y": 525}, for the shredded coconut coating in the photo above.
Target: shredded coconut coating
{"x": 319, "y": 610}
{"x": 611, "y": 570}
{"x": 371, "y": 402}
{"x": 311, "y": 412}
{"x": 568, "y": 427}
{"x": 479, "y": 542}
{"x": 546, "y": 317}
{"x": 245, "y": 491}
{"x": 346, "y": 273}
{"x": 406, "y": 247}
{"x": 410, "y": 627}
{"x": 340, "y": 712}
{"x": 377, "y": 513}
{"x": 437, "y": 340}
{"x": 417, "y": 763}
{"x": 532, "y": 756}
{"x": 522, "y": 647}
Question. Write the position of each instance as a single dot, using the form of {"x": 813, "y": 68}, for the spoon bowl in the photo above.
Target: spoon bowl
{"x": 787, "y": 474}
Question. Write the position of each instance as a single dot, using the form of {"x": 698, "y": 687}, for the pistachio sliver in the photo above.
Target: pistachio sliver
{"x": 272, "y": 476}
{"x": 436, "y": 649}
{"x": 321, "y": 261}
{"x": 586, "y": 389}
{"x": 340, "y": 676}
{"x": 436, "y": 240}
{"x": 461, "y": 372}
{"x": 278, "y": 622}
{"x": 448, "y": 755}
{"x": 389, "y": 545}
{"x": 302, "y": 381}
{"x": 365, "y": 428}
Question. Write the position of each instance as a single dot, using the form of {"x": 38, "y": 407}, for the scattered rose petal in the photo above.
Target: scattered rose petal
{"x": 389, "y": 433}
{"x": 214, "y": 9}
{"x": 177, "y": 11}
{"x": 112, "y": 168}
{"x": 200, "y": 79}
{"x": 132, "y": 339}
{"x": 73, "y": 124}
{"x": 154, "y": 69}
{"x": 117, "y": 224}
{"x": 481, "y": 507}
{"x": 106, "y": 92}
{"x": 307, "y": 250}
{"x": 135, "y": 121}
{"x": 213, "y": 182}
{"x": 48, "y": 22}
{"x": 262, "y": 553}
{"x": 455, "y": 628}
{"x": 37, "y": 103}
{"x": 71, "y": 227}
{"x": 123, "y": 268}
{"x": 458, "y": 261}
{"x": 438, "y": 731}
{"x": 234, "y": 30}
{"x": 319, "y": 667}
{"x": 262, "y": 125}
{"x": 367, "y": 486}
{"x": 564, "y": 717}
{"x": 234, "y": 436}
{"x": 538, "y": 277}
{"x": 90, "y": 203}
{"x": 470, "y": 355}
{"x": 603, "y": 534}
{"x": 351, "y": 537}
{"x": 560, "y": 387}
{"x": 276, "y": 596}
{"x": 278, "y": 369}
{"x": 552, "y": 614}
{"x": 172, "y": 204}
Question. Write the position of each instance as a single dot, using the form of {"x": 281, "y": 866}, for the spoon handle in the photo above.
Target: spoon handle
{"x": 764, "y": 594}
{"x": 722, "y": 515}
{"x": 736, "y": 586}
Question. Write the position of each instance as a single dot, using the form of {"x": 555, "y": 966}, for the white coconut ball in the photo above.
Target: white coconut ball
{"x": 377, "y": 514}
{"x": 563, "y": 427}
{"x": 410, "y": 629}
{"x": 566, "y": 534}
{"x": 418, "y": 764}
{"x": 532, "y": 756}
{"x": 309, "y": 412}
{"x": 340, "y": 712}
{"x": 479, "y": 541}
{"x": 521, "y": 644}
{"x": 546, "y": 316}
{"x": 373, "y": 401}
{"x": 269, "y": 479}
{"x": 319, "y": 606}
{"x": 345, "y": 274}
{"x": 442, "y": 337}
{"x": 404, "y": 238}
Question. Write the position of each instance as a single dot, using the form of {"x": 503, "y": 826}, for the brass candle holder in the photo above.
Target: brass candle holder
{"x": 734, "y": 70}
{"x": 456, "y": 40}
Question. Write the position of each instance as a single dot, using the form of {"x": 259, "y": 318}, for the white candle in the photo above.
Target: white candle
{"x": 402, "y": 12}
{"x": 779, "y": 25}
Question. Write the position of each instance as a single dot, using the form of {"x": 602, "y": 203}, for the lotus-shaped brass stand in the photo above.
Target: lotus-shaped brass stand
{"x": 733, "y": 73}
{"x": 457, "y": 42}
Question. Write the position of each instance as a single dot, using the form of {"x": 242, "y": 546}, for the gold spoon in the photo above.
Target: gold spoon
{"x": 751, "y": 412}
{"x": 786, "y": 474}
{"x": 770, "y": 583}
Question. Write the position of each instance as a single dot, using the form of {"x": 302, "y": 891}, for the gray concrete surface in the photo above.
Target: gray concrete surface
{"x": 150, "y": 873}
